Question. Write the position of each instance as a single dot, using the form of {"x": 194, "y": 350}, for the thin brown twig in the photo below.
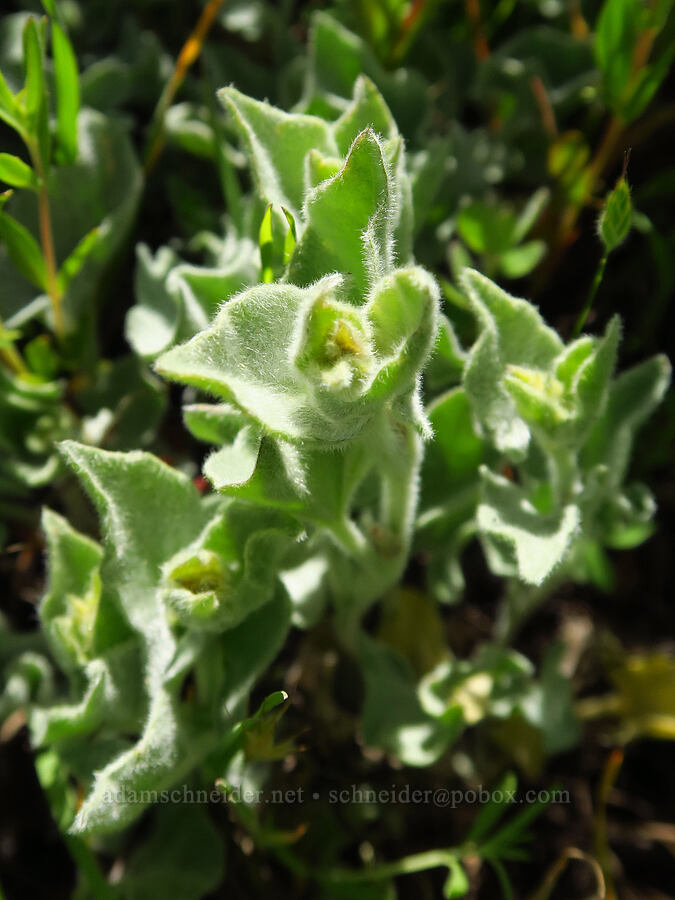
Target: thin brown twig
{"x": 408, "y": 26}
{"x": 47, "y": 242}
{"x": 187, "y": 56}
{"x": 578, "y": 23}
{"x": 559, "y": 866}
{"x": 545, "y": 106}
{"x": 609, "y": 145}
{"x": 480, "y": 44}
{"x": 602, "y": 849}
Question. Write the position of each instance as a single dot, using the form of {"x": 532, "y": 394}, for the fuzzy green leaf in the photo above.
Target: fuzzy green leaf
{"x": 70, "y": 606}
{"x": 136, "y": 494}
{"x": 175, "y": 300}
{"x": 348, "y": 223}
{"x": 519, "y": 540}
{"x": 235, "y": 463}
{"x": 213, "y": 423}
{"x": 302, "y": 361}
{"x": 277, "y": 143}
{"x": 368, "y": 110}
{"x": 245, "y": 357}
{"x": 512, "y": 333}
{"x": 152, "y": 324}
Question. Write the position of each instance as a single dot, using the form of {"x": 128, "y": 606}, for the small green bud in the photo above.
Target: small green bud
{"x": 75, "y": 628}
{"x": 335, "y": 349}
{"x": 198, "y": 587}
{"x": 540, "y": 397}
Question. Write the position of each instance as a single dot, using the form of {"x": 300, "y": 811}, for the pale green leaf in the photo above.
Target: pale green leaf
{"x": 393, "y": 717}
{"x": 235, "y": 463}
{"x": 136, "y": 494}
{"x": 518, "y": 536}
{"x": 213, "y": 423}
{"x": 530, "y": 213}
{"x": 244, "y": 357}
{"x": 520, "y": 261}
{"x": 457, "y": 883}
{"x": 175, "y": 300}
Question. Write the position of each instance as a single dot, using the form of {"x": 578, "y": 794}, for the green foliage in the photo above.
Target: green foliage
{"x": 624, "y": 29}
{"x": 542, "y": 406}
{"x": 127, "y": 621}
{"x": 60, "y": 229}
{"x": 497, "y": 236}
{"x": 32, "y": 417}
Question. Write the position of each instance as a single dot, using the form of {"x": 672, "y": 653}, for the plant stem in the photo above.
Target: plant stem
{"x": 611, "y": 139}
{"x": 583, "y": 315}
{"x": 50, "y": 259}
{"x": 598, "y": 707}
{"x": 418, "y": 862}
{"x": 408, "y": 30}
{"x": 11, "y": 356}
{"x": 88, "y": 869}
{"x": 602, "y": 849}
{"x": 480, "y": 45}
{"x": 553, "y": 875}
{"x": 47, "y": 242}
{"x": 408, "y": 865}
{"x": 187, "y": 56}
